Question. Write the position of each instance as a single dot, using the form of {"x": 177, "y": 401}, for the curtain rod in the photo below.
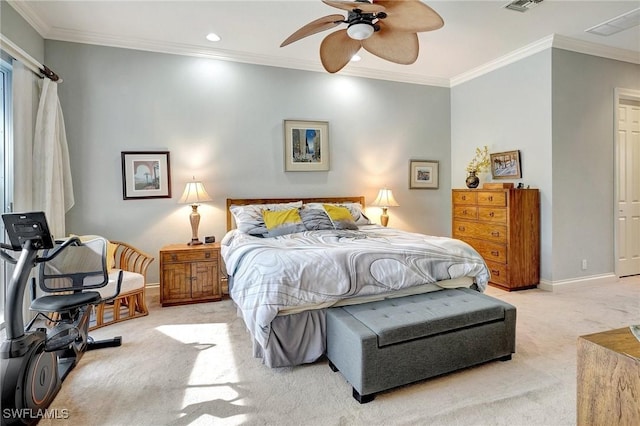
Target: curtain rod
{"x": 17, "y": 53}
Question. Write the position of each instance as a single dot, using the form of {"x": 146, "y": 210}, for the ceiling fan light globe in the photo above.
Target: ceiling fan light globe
{"x": 360, "y": 31}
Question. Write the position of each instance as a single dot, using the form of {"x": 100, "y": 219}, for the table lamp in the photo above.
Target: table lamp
{"x": 385, "y": 199}
{"x": 194, "y": 194}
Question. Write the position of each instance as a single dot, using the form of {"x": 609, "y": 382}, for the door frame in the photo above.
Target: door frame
{"x": 620, "y": 94}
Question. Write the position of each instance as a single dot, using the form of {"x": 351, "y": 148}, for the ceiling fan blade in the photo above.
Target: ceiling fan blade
{"x": 350, "y": 5}
{"x": 410, "y": 15}
{"x": 337, "y": 49}
{"x": 314, "y": 27}
{"x": 395, "y": 46}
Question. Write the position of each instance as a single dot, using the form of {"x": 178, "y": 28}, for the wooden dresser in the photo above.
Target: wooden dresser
{"x": 190, "y": 274}
{"x": 503, "y": 225}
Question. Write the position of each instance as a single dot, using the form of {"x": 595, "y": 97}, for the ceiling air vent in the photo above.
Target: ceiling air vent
{"x": 522, "y": 5}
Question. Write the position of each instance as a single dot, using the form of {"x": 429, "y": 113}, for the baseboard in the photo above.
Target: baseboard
{"x": 574, "y": 283}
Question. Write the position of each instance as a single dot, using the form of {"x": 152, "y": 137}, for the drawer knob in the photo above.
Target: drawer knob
{"x": 464, "y": 212}
{"x": 495, "y": 234}
{"x": 490, "y": 198}
{"x": 461, "y": 228}
{"x": 464, "y": 197}
{"x": 492, "y": 214}
{"x": 496, "y": 273}
{"x": 174, "y": 257}
{"x": 495, "y": 253}
{"x": 207, "y": 255}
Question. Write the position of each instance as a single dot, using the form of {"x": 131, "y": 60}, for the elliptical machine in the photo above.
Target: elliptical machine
{"x": 35, "y": 362}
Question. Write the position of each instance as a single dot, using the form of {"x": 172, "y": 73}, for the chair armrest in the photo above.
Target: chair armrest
{"x": 129, "y": 258}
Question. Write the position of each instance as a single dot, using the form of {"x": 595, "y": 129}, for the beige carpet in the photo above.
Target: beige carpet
{"x": 192, "y": 365}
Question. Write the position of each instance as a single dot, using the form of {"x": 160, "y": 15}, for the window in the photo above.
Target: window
{"x": 6, "y": 172}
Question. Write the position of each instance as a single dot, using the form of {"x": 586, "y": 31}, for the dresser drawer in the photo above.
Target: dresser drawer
{"x": 189, "y": 256}
{"x": 490, "y": 251}
{"x": 499, "y": 272}
{"x": 463, "y": 229}
{"x": 465, "y": 212}
{"x": 492, "y": 198}
{"x": 465, "y": 197}
{"x": 491, "y": 214}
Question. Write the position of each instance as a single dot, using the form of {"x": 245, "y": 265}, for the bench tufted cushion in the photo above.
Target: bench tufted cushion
{"x": 407, "y": 318}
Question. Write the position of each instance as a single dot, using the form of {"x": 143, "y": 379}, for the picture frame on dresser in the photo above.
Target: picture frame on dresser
{"x": 423, "y": 174}
{"x": 506, "y": 165}
{"x": 145, "y": 174}
{"x": 306, "y": 146}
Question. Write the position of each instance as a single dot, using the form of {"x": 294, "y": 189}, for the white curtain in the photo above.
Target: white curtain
{"x": 52, "y": 185}
{"x": 25, "y": 106}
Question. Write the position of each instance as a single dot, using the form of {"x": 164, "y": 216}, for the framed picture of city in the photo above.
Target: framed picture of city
{"x": 306, "y": 146}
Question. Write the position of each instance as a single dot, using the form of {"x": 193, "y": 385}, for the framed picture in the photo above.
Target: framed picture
{"x": 306, "y": 146}
{"x": 423, "y": 174}
{"x": 506, "y": 165}
{"x": 145, "y": 175}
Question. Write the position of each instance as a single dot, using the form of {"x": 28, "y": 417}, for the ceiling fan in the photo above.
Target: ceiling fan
{"x": 385, "y": 28}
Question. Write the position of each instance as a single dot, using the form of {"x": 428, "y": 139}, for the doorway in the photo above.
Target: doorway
{"x": 627, "y": 182}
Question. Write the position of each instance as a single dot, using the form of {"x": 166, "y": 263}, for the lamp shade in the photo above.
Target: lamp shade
{"x": 194, "y": 193}
{"x": 385, "y": 199}
{"x": 360, "y": 31}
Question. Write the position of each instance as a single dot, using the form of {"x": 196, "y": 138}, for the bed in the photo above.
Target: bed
{"x": 287, "y": 264}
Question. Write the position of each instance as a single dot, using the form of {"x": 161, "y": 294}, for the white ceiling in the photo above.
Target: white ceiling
{"x": 477, "y": 35}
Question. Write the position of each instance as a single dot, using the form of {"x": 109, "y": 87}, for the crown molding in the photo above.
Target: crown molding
{"x": 226, "y": 55}
{"x": 553, "y": 40}
{"x": 509, "y": 58}
{"x": 27, "y": 12}
{"x": 588, "y": 48}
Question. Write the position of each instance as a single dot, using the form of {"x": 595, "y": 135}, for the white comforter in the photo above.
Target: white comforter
{"x": 320, "y": 267}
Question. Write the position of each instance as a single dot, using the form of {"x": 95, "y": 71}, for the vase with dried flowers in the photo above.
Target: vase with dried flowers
{"x": 480, "y": 163}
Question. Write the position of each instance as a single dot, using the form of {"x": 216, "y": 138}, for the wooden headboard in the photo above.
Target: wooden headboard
{"x": 245, "y": 201}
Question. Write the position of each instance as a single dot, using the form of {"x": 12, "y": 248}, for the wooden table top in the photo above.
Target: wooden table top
{"x": 619, "y": 340}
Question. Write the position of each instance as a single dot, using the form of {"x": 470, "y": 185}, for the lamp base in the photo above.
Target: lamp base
{"x": 194, "y": 242}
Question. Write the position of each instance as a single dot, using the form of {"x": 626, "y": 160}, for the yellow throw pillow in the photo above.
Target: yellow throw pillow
{"x": 282, "y": 222}
{"x": 337, "y": 212}
{"x": 273, "y": 219}
{"x": 340, "y": 216}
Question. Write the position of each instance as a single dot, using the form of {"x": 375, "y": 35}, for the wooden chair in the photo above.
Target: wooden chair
{"x": 130, "y": 303}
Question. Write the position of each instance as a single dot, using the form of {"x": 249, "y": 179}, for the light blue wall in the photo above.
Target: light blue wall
{"x": 223, "y": 122}
{"x": 583, "y": 160}
{"x": 15, "y": 28}
{"x": 509, "y": 109}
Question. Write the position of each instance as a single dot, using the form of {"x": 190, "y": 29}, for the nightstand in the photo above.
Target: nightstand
{"x": 190, "y": 274}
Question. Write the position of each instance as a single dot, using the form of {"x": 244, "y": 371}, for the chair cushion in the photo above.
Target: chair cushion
{"x": 130, "y": 281}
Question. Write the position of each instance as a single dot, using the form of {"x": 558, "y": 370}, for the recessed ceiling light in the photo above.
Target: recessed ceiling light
{"x": 213, "y": 37}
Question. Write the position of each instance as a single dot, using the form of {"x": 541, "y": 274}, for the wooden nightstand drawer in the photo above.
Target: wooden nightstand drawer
{"x": 190, "y": 256}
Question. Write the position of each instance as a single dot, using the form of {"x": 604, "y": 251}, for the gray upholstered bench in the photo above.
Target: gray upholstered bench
{"x": 380, "y": 345}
